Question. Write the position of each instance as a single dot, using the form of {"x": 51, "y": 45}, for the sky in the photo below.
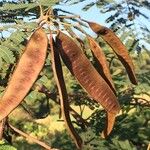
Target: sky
{"x": 93, "y": 14}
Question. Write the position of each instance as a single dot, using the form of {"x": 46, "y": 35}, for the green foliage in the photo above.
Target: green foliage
{"x": 6, "y": 55}
{"x": 5, "y": 146}
{"x": 62, "y": 140}
{"x": 27, "y": 6}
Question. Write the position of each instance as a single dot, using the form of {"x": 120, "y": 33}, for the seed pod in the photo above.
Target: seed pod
{"x": 109, "y": 125}
{"x": 2, "y": 126}
{"x": 26, "y": 72}
{"x": 58, "y": 75}
{"x": 75, "y": 37}
{"x": 86, "y": 74}
{"x": 101, "y": 62}
{"x": 119, "y": 48}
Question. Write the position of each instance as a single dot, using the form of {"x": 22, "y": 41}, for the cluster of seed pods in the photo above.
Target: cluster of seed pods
{"x": 98, "y": 84}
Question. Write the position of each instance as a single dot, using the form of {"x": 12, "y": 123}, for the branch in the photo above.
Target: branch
{"x": 53, "y": 96}
{"x": 78, "y": 117}
{"x": 31, "y": 138}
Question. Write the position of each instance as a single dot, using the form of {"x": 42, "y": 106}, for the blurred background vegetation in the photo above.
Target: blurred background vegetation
{"x": 39, "y": 113}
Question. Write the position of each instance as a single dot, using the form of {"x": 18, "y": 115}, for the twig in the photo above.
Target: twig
{"x": 78, "y": 40}
{"x": 30, "y": 137}
{"x": 64, "y": 11}
{"x": 53, "y": 96}
{"x": 78, "y": 117}
{"x": 62, "y": 23}
{"x": 25, "y": 109}
{"x": 82, "y": 110}
{"x": 68, "y": 17}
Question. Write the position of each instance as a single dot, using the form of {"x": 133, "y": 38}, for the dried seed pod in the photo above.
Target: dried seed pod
{"x": 26, "y": 72}
{"x": 86, "y": 74}
{"x": 109, "y": 125}
{"x": 2, "y": 127}
{"x": 119, "y": 48}
{"x": 101, "y": 62}
{"x": 73, "y": 34}
{"x": 64, "y": 102}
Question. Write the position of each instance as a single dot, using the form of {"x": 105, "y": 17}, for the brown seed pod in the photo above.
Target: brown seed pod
{"x": 109, "y": 125}
{"x": 64, "y": 102}
{"x": 119, "y": 48}
{"x": 101, "y": 62}
{"x": 2, "y": 127}
{"x": 76, "y": 38}
{"x": 26, "y": 72}
{"x": 86, "y": 74}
